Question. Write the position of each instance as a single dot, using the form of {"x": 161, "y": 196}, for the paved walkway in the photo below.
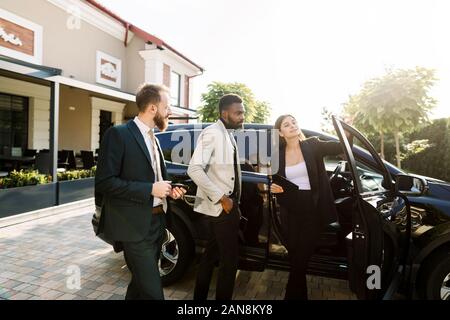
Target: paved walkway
{"x": 40, "y": 259}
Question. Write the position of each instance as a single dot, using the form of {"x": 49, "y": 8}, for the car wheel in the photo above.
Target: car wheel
{"x": 176, "y": 253}
{"x": 435, "y": 278}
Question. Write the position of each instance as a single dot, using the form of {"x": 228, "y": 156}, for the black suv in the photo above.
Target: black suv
{"x": 392, "y": 234}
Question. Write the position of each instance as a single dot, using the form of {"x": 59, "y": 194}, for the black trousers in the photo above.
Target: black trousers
{"x": 223, "y": 247}
{"x": 301, "y": 227}
{"x": 142, "y": 260}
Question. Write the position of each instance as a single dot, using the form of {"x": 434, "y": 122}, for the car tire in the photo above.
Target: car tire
{"x": 435, "y": 276}
{"x": 178, "y": 243}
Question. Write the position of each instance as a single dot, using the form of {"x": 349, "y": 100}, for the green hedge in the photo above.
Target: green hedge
{"x": 76, "y": 174}
{"x": 33, "y": 177}
{"x": 24, "y": 178}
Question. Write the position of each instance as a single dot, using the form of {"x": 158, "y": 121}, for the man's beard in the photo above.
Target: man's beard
{"x": 229, "y": 124}
{"x": 236, "y": 125}
{"x": 161, "y": 122}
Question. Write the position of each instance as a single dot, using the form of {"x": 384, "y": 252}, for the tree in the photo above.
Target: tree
{"x": 325, "y": 121}
{"x": 431, "y": 157}
{"x": 395, "y": 103}
{"x": 360, "y": 119}
{"x": 262, "y": 112}
{"x": 255, "y": 111}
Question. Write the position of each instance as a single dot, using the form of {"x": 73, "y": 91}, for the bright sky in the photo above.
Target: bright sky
{"x": 301, "y": 55}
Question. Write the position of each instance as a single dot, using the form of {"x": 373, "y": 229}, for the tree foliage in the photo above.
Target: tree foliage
{"x": 395, "y": 103}
{"x": 255, "y": 111}
{"x": 433, "y": 161}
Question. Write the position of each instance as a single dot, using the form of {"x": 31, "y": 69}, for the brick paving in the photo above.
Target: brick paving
{"x": 38, "y": 259}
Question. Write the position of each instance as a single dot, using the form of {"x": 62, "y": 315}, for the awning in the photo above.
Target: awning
{"x": 27, "y": 69}
{"x": 93, "y": 88}
{"x": 54, "y": 75}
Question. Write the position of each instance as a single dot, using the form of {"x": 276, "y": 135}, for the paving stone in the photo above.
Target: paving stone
{"x": 35, "y": 267}
{"x": 21, "y": 296}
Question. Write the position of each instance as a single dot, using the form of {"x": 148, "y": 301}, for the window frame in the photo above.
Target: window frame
{"x": 25, "y": 132}
{"x": 174, "y": 75}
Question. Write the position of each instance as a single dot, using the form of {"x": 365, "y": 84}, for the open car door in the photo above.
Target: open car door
{"x": 372, "y": 246}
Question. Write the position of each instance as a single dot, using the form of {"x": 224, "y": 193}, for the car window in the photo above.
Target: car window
{"x": 331, "y": 163}
{"x": 175, "y": 144}
{"x": 255, "y": 149}
{"x": 370, "y": 177}
{"x": 371, "y": 181}
{"x": 166, "y": 145}
{"x": 247, "y": 142}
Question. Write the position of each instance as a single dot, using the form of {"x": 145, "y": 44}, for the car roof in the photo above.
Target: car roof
{"x": 258, "y": 126}
{"x": 190, "y": 126}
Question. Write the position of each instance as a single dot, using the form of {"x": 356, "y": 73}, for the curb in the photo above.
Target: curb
{"x": 83, "y": 206}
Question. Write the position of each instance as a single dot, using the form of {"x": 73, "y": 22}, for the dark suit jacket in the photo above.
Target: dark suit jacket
{"x": 124, "y": 181}
{"x": 314, "y": 151}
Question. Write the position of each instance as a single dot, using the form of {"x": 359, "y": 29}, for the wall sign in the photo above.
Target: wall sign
{"x": 20, "y": 38}
{"x": 108, "y": 70}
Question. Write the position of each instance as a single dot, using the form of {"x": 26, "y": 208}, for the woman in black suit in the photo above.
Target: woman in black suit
{"x": 304, "y": 212}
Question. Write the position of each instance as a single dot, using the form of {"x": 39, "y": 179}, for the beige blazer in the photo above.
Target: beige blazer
{"x": 211, "y": 168}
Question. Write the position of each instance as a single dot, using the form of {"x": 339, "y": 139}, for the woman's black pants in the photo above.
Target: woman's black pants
{"x": 301, "y": 229}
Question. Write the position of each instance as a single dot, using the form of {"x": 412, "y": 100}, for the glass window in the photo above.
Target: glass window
{"x": 13, "y": 124}
{"x": 175, "y": 86}
{"x": 179, "y": 143}
{"x": 371, "y": 180}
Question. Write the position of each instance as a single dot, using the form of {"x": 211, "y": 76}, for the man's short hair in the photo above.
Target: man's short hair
{"x": 149, "y": 94}
{"x": 227, "y": 100}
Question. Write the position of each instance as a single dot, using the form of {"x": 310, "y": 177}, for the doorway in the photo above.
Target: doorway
{"x": 105, "y": 122}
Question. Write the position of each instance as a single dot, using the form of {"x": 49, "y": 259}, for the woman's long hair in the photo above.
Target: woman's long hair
{"x": 277, "y": 126}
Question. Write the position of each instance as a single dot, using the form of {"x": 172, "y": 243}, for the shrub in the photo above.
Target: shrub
{"x": 434, "y": 161}
{"x": 76, "y": 174}
{"x": 24, "y": 178}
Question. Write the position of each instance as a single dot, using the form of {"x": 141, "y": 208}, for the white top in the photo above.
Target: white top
{"x": 298, "y": 174}
{"x": 144, "y": 129}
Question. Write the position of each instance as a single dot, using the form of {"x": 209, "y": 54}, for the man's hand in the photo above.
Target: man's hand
{"x": 161, "y": 189}
{"x": 177, "y": 193}
{"x": 227, "y": 203}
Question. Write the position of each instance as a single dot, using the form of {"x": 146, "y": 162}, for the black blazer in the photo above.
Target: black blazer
{"x": 123, "y": 183}
{"x": 314, "y": 150}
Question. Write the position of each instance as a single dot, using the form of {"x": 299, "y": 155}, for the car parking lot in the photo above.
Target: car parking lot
{"x": 40, "y": 259}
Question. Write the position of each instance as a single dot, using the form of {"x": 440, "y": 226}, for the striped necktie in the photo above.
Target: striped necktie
{"x": 156, "y": 161}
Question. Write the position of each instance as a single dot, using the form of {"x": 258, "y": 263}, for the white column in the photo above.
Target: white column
{"x": 153, "y": 65}
{"x": 95, "y": 129}
{"x": 39, "y": 123}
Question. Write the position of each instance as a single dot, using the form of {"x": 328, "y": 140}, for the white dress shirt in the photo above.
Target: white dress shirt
{"x": 144, "y": 129}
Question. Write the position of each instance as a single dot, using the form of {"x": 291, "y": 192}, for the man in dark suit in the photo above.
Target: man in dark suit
{"x": 131, "y": 178}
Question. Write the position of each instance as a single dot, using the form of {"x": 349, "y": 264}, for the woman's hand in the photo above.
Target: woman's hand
{"x": 274, "y": 188}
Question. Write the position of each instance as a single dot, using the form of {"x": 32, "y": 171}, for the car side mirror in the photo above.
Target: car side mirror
{"x": 410, "y": 185}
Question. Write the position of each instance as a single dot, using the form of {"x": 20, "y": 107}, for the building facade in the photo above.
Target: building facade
{"x": 69, "y": 69}
{"x": 102, "y": 59}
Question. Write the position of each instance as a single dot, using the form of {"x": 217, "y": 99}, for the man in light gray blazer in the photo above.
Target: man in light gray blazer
{"x": 215, "y": 169}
